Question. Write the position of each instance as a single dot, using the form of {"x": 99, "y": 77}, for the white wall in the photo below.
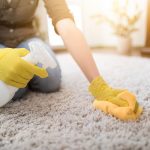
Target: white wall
{"x": 96, "y": 35}
{"x": 101, "y": 35}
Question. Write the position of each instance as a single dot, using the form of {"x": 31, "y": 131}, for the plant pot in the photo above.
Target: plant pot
{"x": 124, "y": 45}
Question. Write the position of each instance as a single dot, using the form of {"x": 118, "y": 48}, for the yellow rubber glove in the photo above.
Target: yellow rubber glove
{"x": 15, "y": 71}
{"x": 119, "y": 103}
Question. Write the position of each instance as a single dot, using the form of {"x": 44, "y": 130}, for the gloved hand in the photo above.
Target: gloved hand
{"x": 119, "y": 103}
{"x": 15, "y": 71}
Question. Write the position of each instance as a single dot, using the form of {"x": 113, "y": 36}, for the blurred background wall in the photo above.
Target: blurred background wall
{"x": 97, "y": 35}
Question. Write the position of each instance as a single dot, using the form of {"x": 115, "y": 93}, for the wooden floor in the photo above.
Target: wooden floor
{"x": 134, "y": 52}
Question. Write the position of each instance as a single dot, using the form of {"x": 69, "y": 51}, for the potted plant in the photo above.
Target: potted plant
{"x": 123, "y": 23}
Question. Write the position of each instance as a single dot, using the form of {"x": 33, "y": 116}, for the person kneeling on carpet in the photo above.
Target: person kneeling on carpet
{"x": 17, "y": 31}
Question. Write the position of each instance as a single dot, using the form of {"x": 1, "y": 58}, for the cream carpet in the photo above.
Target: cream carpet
{"x": 66, "y": 120}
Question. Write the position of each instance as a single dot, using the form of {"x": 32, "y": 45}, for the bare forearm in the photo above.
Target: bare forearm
{"x": 78, "y": 47}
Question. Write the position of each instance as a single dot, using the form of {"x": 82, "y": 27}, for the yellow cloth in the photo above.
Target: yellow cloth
{"x": 15, "y": 71}
{"x": 119, "y": 103}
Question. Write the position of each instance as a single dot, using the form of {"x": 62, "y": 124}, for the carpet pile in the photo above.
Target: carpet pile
{"x": 65, "y": 120}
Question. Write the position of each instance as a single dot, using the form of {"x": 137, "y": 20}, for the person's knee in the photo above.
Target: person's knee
{"x": 53, "y": 82}
{"x": 26, "y": 43}
{"x": 50, "y": 84}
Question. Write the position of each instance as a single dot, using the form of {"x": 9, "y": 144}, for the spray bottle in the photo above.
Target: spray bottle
{"x": 38, "y": 54}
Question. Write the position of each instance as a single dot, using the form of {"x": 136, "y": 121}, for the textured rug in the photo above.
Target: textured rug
{"x": 66, "y": 120}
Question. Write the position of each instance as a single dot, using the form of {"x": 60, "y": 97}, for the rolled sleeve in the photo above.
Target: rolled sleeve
{"x": 57, "y": 10}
